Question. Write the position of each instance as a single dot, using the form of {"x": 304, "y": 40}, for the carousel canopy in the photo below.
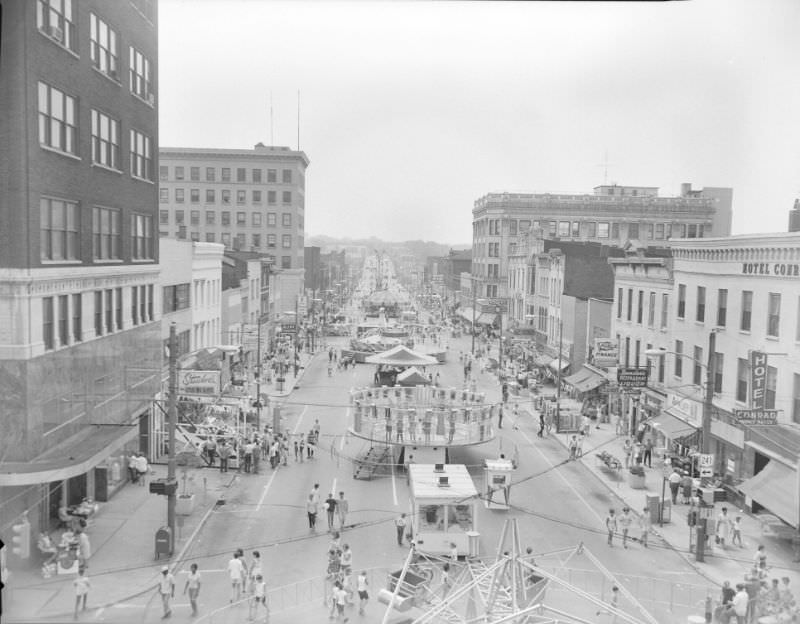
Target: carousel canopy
{"x": 412, "y": 377}
{"x": 401, "y": 356}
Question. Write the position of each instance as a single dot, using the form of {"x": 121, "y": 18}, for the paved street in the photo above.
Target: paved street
{"x": 559, "y": 505}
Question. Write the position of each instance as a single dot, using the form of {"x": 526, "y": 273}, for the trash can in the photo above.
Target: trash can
{"x": 279, "y": 384}
{"x": 652, "y": 502}
{"x": 163, "y": 541}
{"x": 474, "y": 543}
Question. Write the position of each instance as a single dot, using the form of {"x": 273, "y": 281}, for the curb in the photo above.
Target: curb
{"x": 685, "y": 556}
{"x": 173, "y": 565}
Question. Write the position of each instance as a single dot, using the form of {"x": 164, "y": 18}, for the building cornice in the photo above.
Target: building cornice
{"x": 277, "y": 154}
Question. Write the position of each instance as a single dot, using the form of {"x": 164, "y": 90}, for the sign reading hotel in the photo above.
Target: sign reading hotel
{"x": 606, "y": 353}
{"x": 198, "y": 382}
{"x": 756, "y": 416}
{"x": 632, "y": 377}
{"x": 758, "y": 379}
{"x": 778, "y": 269}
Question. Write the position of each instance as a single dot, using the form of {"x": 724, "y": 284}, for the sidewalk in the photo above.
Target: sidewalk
{"x": 122, "y": 536}
{"x": 728, "y": 564}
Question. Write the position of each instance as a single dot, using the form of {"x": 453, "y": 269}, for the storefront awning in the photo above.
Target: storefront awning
{"x": 775, "y": 488}
{"x": 671, "y": 426}
{"x": 486, "y": 318}
{"x": 466, "y": 314}
{"x": 553, "y": 364}
{"x": 585, "y": 380}
{"x": 75, "y": 456}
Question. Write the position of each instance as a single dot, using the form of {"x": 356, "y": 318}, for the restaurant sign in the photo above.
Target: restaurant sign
{"x": 632, "y": 377}
{"x": 198, "y": 382}
{"x": 756, "y": 416}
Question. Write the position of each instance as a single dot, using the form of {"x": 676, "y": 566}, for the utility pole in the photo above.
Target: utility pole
{"x": 708, "y": 405}
{"x": 558, "y": 372}
{"x": 474, "y": 302}
{"x": 258, "y": 377}
{"x": 172, "y": 413}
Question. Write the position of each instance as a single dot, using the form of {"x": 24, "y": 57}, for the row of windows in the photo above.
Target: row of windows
{"x": 62, "y": 316}
{"x": 176, "y": 297}
{"x": 593, "y": 229}
{"x": 59, "y": 228}
{"x": 638, "y": 299}
{"x": 56, "y": 20}
{"x": 58, "y": 130}
{"x": 256, "y": 218}
{"x": 256, "y": 175}
{"x": 773, "y": 310}
{"x": 239, "y": 239}
{"x": 225, "y": 196}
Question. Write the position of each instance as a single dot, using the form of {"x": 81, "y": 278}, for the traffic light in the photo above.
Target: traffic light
{"x": 21, "y": 538}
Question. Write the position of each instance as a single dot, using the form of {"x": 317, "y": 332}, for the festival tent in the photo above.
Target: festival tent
{"x": 401, "y": 356}
{"x": 412, "y": 377}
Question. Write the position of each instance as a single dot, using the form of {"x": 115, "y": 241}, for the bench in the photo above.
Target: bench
{"x": 608, "y": 460}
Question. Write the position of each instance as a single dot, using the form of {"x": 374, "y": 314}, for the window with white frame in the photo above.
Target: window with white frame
{"x": 256, "y": 217}
{"x": 55, "y": 18}
{"x": 105, "y": 140}
{"x": 106, "y": 233}
{"x": 271, "y": 240}
{"x": 139, "y": 74}
{"x": 103, "y": 46}
{"x": 141, "y": 237}
{"x": 774, "y": 315}
{"x": 57, "y": 119}
{"x": 286, "y": 219}
{"x": 141, "y": 155}
{"x": 286, "y": 241}
{"x": 59, "y": 229}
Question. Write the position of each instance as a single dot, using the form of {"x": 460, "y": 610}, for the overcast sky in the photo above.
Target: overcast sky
{"x": 410, "y": 111}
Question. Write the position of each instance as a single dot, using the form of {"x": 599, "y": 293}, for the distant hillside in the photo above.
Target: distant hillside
{"x": 417, "y": 248}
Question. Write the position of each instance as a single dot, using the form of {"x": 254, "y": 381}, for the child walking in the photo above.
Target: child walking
{"x": 82, "y": 585}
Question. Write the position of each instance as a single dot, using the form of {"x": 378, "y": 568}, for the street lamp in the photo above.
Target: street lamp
{"x": 499, "y": 346}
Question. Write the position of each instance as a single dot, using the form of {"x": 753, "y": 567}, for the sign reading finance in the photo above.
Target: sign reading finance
{"x": 606, "y": 353}
{"x": 758, "y": 379}
{"x": 632, "y": 377}
{"x": 756, "y": 416}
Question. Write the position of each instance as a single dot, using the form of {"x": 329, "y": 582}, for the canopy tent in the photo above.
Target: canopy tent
{"x": 401, "y": 356}
{"x": 412, "y": 377}
{"x": 487, "y": 318}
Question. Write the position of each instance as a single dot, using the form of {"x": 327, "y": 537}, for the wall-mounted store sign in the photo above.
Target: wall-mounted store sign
{"x": 756, "y": 416}
{"x": 758, "y": 379}
{"x": 778, "y": 269}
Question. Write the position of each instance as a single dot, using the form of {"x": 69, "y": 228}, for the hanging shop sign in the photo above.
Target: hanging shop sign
{"x": 758, "y": 379}
{"x": 706, "y": 464}
{"x": 606, "y": 353}
{"x": 632, "y": 377}
{"x": 198, "y": 382}
{"x": 756, "y": 416}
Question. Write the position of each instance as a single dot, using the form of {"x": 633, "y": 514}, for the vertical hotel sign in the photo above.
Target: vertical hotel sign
{"x": 758, "y": 379}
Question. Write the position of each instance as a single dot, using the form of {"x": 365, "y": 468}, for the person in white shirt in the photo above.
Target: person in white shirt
{"x": 82, "y": 585}
{"x": 166, "y": 589}
{"x": 361, "y": 588}
{"x": 236, "y": 574}
{"x": 739, "y": 604}
{"x": 193, "y": 587}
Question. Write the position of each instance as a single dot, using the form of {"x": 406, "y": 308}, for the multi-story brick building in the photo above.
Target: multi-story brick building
{"x": 248, "y": 200}
{"x": 612, "y": 215}
{"x": 80, "y": 344}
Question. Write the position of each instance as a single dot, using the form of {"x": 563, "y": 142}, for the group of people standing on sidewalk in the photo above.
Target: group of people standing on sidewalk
{"x": 628, "y": 525}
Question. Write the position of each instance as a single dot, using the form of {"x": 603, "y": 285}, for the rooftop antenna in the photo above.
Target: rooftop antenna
{"x": 271, "y": 134}
{"x": 298, "y": 120}
{"x": 604, "y": 165}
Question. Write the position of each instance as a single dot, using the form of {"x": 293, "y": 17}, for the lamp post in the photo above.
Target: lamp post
{"x": 499, "y": 345}
{"x": 474, "y": 303}
{"x": 172, "y": 421}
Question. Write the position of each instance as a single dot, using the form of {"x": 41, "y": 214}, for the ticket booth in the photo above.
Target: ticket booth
{"x": 498, "y": 483}
{"x": 443, "y": 508}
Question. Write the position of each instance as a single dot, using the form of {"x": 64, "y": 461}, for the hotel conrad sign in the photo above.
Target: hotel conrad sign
{"x": 777, "y": 269}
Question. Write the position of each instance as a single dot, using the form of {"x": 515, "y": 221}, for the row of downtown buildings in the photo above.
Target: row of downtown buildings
{"x": 105, "y": 240}
{"x": 632, "y": 274}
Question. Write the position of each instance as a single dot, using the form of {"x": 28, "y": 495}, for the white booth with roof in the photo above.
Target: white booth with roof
{"x": 498, "y": 483}
{"x": 443, "y": 508}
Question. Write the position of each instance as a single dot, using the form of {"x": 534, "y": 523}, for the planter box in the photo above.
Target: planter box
{"x": 184, "y": 505}
{"x": 637, "y": 482}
